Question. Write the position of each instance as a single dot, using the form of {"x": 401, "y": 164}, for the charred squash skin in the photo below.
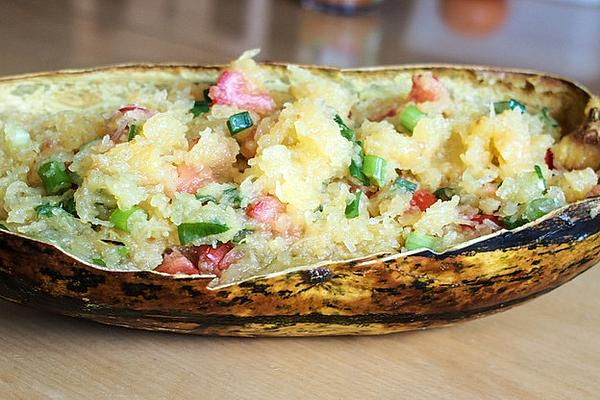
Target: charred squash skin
{"x": 381, "y": 295}
{"x": 376, "y": 295}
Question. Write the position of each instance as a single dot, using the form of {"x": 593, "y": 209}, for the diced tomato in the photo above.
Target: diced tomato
{"x": 190, "y": 179}
{"x": 214, "y": 260}
{"x": 177, "y": 263}
{"x": 479, "y": 218}
{"x": 423, "y": 199}
{"x": 266, "y": 209}
{"x": 427, "y": 87}
{"x": 234, "y": 89}
{"x": 549, "y": 159}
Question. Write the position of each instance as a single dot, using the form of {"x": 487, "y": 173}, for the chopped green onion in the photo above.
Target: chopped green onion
{"x": 123, "y": 251}
{"x": 418, "y": 241}
{"x": 410, "y": 116}
{"x": 374, "y": 168}
{"x": 539, "y": 207}
{"x": 406, "y": 185}
{"x": 240, "y": 237}
{"x": 231, "y": 196}
{"x": 344, "y": 130}
{"x": 2, "y": 226}
{"x": 69, "y": 206}
{"x": 120, "y": 218}
{"x": 206, "y": 96}
{"x": 445, "y": 193}
{"x": 133, "y": 131}
{"x": 512, "y": 104}
{"x": 54, "y": 177}
{"x": 200, "y": 107}
{"x": 353, "y": 208}
{"x": 513, "y": 222}
{"x": 547, "y": 118}
{"x": 99, "y": 261}
{"x": 356, "y": 165}
{"x": 238, "y": 122}
{"x": 205, "y": 198}
{"x": 190, "y": 232}
{"x": 46, "y": 210}
{"x": 538, "y": 172}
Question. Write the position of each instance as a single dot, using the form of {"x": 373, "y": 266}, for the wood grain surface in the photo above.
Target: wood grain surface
{"x": 546, "y": 349}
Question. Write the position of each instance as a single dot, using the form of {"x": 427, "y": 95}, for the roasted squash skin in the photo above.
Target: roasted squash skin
{"x": 377, "y": 295}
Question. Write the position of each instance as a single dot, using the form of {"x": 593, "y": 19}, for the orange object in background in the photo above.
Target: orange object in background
{"x": 474, "y": 17}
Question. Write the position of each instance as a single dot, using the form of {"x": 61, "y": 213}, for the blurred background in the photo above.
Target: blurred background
{"x": 555, "y": 36}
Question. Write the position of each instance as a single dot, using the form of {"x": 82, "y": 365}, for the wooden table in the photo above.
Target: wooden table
{"x": 546, "y": 349}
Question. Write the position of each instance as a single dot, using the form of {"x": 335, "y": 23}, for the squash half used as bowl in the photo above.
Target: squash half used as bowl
{"x": 381, "y": 293}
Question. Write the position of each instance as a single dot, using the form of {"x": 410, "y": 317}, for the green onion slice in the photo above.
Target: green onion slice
{"x": 240, "y": 237}
{"x": 231, "y": 196}
{"x": 539, "y": 207}
{"x": 200, "y": 107}
{"x": 190, "y": 232}
{"x": 120, "y": 218}
{"x": 353, "y": 208}
{"x": 547, "y": 118}
{"x": 46, "y": 210}
{"x": 513, "y": 222}
{"x": 538, "y": 172}
{"x": 2, "y": 226}
{"x": 344, "y": 130}
{"x": 99, "y": 261}
{"x": 205, "y": 198}
{"x": 123, "y": 250}
{"x": 238, "y": 122}
{"x": 445, "y": 193}
{"x": 410, "y": 116}
{"x": 54, "y": 177}
{"x": 418, "y": 241}
{"x": 406, "y": 185}
{"x": 207, "y": 98}
{"x": 512, "y": 104}
{"x": 374, "y": 168}
{"x": 133, "y": 131}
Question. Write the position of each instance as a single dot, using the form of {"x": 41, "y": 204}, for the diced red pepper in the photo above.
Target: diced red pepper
{"x": 190, "y": 179}
{"x": 380, "y": 117}
{"x": 266, "y": 209}
{"x": 423, "y": 199}
{"x": 427, "y": 87}
{"x": 214, "y": 260}
{"x": 234, "y": 89}
{"x": 177, "y": 263}
{"x": 549, "y": 159}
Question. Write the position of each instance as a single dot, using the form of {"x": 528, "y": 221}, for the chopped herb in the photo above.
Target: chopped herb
{"x": 538, "y": 172}
{"x": 120, "y": 218}
{"x": 539, "y": 207}
{"x": 374, "y": 168}
{"x": 54, "y": 177}
{"x": 410, "y": 116}
{"x": 238, "y": 122}
{"x": 46, "y": 210}
{"x": 133, "y": 131}
{"x": 419, "y": 241}
{"x": 200, "y": 107}
{"x": 205, "y": 198}
{"x": 547, "y": 118}
{"x": 353, "y": 208}
{"x": 231, "y": 196}
{"x": 512, "y": 104}
{"x": 99, "y": 261}
{"x": 344, "y": 130}
{"x": 406, "y": 185}
{"x": 445, "y": 193}
{"x": 190, "y": 232}
{"x": 240, "y": 237}
{"x": 2, "y": 226}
